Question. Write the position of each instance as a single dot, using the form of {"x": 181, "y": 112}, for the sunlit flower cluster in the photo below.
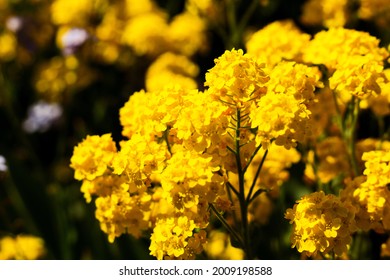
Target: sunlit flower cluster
{"x": 322, "y": 224}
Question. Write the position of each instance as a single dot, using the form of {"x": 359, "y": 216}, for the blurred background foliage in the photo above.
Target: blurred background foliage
{"x": 38, "y": 194}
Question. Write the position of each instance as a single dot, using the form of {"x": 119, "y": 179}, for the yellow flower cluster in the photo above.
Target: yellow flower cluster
{"x": 376, "y": 10}
{"x": 283, "y": 114}
{"x": 322, "y": 224}
{"x": 178, "y": 156}
{"x": 329, "y": 13}
{"x": 279, "y": 40}
{"x": 56, "y": 79}
{"x": 373, "y": 195}
{"x": 353, "y": 58}
{"x": 171, "y": 68}
{"x": 21, "y": 247}
{"x": 236, "y": 79}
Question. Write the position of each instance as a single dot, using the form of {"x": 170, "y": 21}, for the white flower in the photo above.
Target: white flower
{"x": 41, "y": 116}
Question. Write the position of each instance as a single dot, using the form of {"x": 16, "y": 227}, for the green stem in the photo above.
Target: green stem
{"x": 237, "y": 29}
{"x": 249, "y": 197}
{"x": 241, "y": 197}
{"x": 350, "y": 134}
{"x": 226, "y": 225}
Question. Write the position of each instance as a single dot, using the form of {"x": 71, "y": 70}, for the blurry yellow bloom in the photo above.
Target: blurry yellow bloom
{"x": 146, "y": 33}
{"x": 328, "y": 160}
{"x": 22, "y": 247}
{"x": 219, "y": 247}
{"x": 187, "y": 34}
{"x": 8, "y": 46}
{"x": 92, "y": 157}
{"x": 137, "y": 7}
{"x": 59, "y": 76}
{"x": 375, "y": 10}
{"x": 329, "y": 13}
{"x": 379, "y": 104}
{"x": 76, "y": 12}
{"x": 323, "y": 113}
{"x": 385, "y": 249}
{"x": 171, "y": 68}
{"x": 321, "y": 224}
{"x": 277, "y": 41}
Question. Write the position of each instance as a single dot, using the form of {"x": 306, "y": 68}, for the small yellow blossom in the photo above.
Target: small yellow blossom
{"x": 174, "y": 238}
{"x": 93, "y": 156}
{"x": 171, "y": 68}
{"x": 21, "y": 247}
{"x": 219, "y": 247}
{"x": 8, "y": 46}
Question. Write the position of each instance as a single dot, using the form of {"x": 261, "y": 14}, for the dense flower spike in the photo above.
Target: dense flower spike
{"x": 236, "y": 79}
{"x": 322, "y": 224}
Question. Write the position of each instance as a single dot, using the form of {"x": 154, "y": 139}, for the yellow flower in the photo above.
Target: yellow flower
{"x": 76, "y": 12}
{"x": 171, "y": 68}
{"x": 8, "y": 46}
{"x": 385, "y": 249}
{"x": 92, "y": 157}
{"x": 174, "y": 238}
{"x": 187, "y": 34}
{"x": 375, "y": 10}
{"x": 329, "y": 13}
{"x": 219, "y": 247}
{"x": 329, "y": 160}
{"x": 282, "y": 115}
{"x": 372, "y": 196}
{"x": 337, "y": 47}
{"x": 120, "y": 213}
{"x": 22, "y": 247}
{"x": 360, "y": 77}
{"x": 145, "y": 33}
{"x": 321, "y": 224}
{"x": 277, "y": 41}
{"x": 236, "y": 79}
